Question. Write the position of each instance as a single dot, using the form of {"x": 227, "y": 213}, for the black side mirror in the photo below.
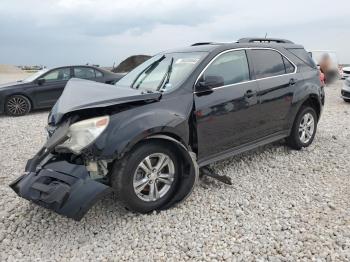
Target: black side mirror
{"x": 41, "y": 81}
{"x": 209, "y": 83}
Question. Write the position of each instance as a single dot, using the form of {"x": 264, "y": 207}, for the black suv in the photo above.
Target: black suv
{"x": 146, "y": 137}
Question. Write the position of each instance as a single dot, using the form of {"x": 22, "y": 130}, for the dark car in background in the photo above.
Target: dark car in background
{"x": 42, "y": 89}
{"x": 177, "y": 112}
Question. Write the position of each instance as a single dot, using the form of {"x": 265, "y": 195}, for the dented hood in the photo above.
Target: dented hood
{"x": 83, "y": 94}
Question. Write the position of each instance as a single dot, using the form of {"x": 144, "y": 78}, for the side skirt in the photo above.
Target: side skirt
{"x": 243, "y": 148}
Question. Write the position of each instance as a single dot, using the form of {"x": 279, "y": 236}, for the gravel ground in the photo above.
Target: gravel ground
{"x": 284, "y": 206}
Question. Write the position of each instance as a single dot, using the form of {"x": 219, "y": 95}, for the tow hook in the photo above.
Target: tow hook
{"x": 207, "y": 171}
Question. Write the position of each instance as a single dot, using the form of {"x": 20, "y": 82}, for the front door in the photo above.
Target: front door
{"x": 51, "y": 86}
{"x": 226, "y": 117}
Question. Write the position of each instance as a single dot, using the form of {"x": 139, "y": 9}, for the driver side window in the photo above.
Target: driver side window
{"x": 231, "y": 68}
{"x": 57, "y": 75}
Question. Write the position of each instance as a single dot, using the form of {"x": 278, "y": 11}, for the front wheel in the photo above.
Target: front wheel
{"x": 17, "y": 105}
{"x": 304, "y": 128}
{"x": 146, "y": 178}
{"x": 347, "y": 100}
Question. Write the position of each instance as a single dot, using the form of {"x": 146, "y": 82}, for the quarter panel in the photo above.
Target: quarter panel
{"x": 309, "y": 87}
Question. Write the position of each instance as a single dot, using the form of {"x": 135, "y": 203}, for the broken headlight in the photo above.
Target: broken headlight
{"x": 83, "y": 133}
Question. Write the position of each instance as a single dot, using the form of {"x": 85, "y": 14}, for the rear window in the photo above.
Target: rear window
{"x": 303, "y": 56}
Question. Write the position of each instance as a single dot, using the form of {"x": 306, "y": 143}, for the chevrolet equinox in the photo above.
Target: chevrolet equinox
{"x": 146, "y": 137}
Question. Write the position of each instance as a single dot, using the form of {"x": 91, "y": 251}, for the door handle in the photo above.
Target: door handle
{"x": 250, "y": 93}
{"x": 293, "y": 81}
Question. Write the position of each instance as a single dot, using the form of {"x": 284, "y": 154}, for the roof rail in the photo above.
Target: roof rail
{"x": 202, "y": 43}
{"x": 264, "y": 40}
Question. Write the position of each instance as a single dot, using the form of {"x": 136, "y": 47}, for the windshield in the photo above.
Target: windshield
{"x": 34, "y": 76}
{"x": 162, "y": 72}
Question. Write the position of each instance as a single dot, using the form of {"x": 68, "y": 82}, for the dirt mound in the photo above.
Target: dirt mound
{"x": 130, "y": 63}
{"x": 10, "y": 69}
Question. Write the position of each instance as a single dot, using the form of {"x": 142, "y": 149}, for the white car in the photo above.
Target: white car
{"x": 345, "y": 91}
{"x": 346, "y": 72}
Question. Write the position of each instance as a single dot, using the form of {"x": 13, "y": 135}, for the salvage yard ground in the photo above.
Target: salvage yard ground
{"x": 283, "y": 205}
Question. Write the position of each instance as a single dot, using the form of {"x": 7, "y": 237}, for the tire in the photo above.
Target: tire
{"x": 17, "y": 105}
{"x": 347, "y": 100}
{"x": 127, "y": 175}
{"x": 302, "y": 135}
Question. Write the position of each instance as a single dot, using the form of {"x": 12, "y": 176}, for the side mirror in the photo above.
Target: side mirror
{"x": 209, "y": 83}
{"x": 41, "y": 81}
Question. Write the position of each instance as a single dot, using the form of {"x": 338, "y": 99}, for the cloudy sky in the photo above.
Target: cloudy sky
{"x": 58, "y": 32}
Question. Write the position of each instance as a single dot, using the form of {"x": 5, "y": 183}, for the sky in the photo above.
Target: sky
{"x": 61, "y": 32}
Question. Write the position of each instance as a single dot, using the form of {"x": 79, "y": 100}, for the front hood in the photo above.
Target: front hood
{"x": 10, "y": 84}
{"x": 83, "y": 94}
{"x": 346, "y": 69}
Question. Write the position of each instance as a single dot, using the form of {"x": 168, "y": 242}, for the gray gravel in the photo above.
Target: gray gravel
{"x": 284, "y": 205}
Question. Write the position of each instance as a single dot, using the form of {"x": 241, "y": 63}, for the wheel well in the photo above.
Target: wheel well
{"x": 315, "y": 104}
{"x": 170, "y": 139}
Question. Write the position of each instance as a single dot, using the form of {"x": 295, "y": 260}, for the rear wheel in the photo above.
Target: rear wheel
{"x": 17, "y": 105}
{"x": 304, "y": 128}
{"x": 347, "y": 100}
{"x": 146, "y": 178}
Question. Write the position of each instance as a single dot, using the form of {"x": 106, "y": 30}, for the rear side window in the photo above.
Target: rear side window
{"x": 98, "y": 73}
{"x": 288, "y": 65}
{"x": 267, "y": 63}
{"x": 303, "y": 56}
{"x": 84, "y": 72}
{"x": 232, "y": 67}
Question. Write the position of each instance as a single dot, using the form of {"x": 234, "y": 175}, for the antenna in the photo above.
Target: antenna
{"x": 265, "y": 35}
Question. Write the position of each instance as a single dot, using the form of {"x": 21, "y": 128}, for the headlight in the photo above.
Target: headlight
{"x": 83, "y": 133}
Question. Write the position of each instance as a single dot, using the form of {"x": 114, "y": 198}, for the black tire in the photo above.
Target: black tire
{"x": 295, "y": 140}
{"x": 347, "y": 100}
{"x": 123, "y": 173}
{"x": 17, "y": 105}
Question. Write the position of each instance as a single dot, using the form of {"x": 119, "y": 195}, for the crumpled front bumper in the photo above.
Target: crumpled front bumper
{"x": 62, "y": 187}
{"x": 68, "y": 188}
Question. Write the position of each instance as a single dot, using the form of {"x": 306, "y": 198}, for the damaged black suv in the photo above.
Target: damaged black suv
{"x": 146, "y": 137}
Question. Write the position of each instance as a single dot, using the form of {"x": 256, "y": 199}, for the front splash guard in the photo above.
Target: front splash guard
{"x": 62, "y": 187}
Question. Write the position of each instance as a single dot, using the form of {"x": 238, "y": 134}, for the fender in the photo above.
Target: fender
{"x": 131, "y": 126}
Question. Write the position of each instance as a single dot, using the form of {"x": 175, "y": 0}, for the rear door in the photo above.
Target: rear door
{"x": 50, "y": 89}
{"x": 276, "y": 77}
{"x": 226, "y": 117}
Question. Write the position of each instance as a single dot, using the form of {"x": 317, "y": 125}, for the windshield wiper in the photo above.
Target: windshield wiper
{"x": 147, "y": 70}
{"x": 166, "y": 77}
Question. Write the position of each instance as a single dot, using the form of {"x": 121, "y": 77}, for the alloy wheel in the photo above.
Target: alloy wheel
{"x": 306, "y": 128}
{"x": 154, "y": 177}
{"x": 17, "y": 106}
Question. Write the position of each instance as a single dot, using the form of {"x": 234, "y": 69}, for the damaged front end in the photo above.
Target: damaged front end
{"x": 54, "y": 183}
{"x": 87, "y": 134}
